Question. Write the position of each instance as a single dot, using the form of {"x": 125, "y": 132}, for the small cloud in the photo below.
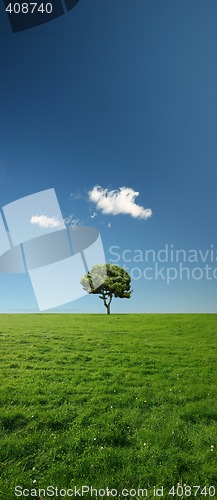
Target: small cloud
{"x": 71, "y": 221}
{"x": 109, "y": 224}
{"x": 121, "y": 201}
{"x": 77, "y": 195}
{"x": 94, "y": 214}
{"x": 46, "y": 222}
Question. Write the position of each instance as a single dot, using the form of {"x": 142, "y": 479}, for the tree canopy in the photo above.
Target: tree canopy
{"x": 107, "y": 281}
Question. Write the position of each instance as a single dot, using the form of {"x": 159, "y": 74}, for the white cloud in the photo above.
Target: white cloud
{"x": 46, "y": 222}
{"x": 71, "y": 221}
{"x": 77, "y": 195}
{"x": 93, "y": 215}
{"x": 121, "y": 201}
{"x": 109, "y": 224}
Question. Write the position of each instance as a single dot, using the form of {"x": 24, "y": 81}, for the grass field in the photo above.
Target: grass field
{"x": 126, "y": 401}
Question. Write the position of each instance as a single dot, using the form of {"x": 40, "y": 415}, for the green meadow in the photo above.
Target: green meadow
{"x": 118, "y": 402}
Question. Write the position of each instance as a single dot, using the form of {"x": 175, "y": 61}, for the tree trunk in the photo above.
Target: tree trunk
{"x": 107, "y": 304}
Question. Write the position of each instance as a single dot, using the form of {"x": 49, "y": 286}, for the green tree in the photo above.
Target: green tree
{"x": 107, "y": 281}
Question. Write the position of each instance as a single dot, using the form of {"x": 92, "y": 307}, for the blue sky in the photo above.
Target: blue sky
{"x": 117, "y": 94}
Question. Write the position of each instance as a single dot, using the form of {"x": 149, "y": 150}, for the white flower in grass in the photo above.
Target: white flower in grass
{"x": 34, "y": 481}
